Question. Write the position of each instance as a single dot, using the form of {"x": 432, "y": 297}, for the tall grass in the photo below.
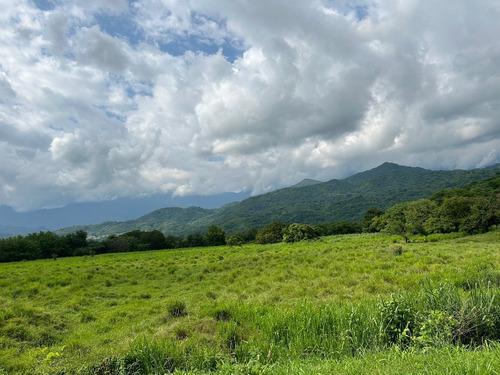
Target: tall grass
{"x": 259, "y": 306}
{"x": 258, "y": 339}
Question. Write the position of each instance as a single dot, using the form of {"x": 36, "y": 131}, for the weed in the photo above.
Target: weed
{"x": 396, "y": 249}
{"x": 177, "y": 309}
{"x": 222, "y": 315}
{"x": 182, "y": 332}
{"x": 87, "y": 317}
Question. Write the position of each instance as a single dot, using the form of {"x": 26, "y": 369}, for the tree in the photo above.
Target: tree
{"x": 451, "y": 215}
{"x": 17, "y": 248}
{"x": 215, "y": 236}
{"x": 77, "y": 240}
{"x": 395, "y": 221}
{"x": 173, "y": 242}
{"x": 250, "y": 234}
{"x": 417, "y": 215}
{"x": 154, "y": 239}
{"x": 338, "y": 227}
{"x": 298, "y": 232}
{"x": 370, "y": 215}
{"x": 235, "y": 239}
{"x": 121, "y": 243}
{"x": 194, "y": 240}
{"x": 405, "y": 219}
{"x": 484, "y": 213}
{"x": 271, "y": 233}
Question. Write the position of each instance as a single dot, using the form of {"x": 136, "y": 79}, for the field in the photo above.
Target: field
{"x": 343, "y": 304}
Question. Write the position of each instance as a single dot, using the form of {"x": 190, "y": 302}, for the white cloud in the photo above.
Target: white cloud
{"x": 55, "y": 33}
{"x": 101, "y": 50}
{"x": 323, "y": 89}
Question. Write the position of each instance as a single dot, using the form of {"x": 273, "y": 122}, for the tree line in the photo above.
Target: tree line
{"x": 45, "y": 245}
{"x": 475, "y": 209}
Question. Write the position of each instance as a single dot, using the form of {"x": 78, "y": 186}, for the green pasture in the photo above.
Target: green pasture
{"x": 326, "y": 306}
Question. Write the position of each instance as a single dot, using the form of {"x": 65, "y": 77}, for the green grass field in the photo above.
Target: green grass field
{"x": 341, "y": 305}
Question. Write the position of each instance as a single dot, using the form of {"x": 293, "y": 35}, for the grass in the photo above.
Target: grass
{"x": 315, "y": 307}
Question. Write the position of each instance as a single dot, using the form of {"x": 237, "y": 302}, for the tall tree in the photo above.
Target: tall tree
{"x": 215, "y": 236}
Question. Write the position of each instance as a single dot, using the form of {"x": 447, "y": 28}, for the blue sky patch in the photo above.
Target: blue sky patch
{"x": 120, "y": 26}
{"x": 44, "y": 4}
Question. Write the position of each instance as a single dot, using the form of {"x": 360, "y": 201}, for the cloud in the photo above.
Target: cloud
{"x": 7, "y": 94}
{"x": 101, "y": 50}
{"x": 55, "y": 33}
{"x": 107, "y": 99}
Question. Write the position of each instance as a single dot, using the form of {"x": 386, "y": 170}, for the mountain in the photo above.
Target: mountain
{"x": 121, "y": 209}
{"x": 312, "y": 203}
{"x": 306, "y": 182}
{"x": 170, "y": 220}
{"x": 9, "y": 231}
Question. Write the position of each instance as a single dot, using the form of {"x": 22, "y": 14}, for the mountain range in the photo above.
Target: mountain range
{"x": 120, "y": 209}
{"x": 309, "y": 201}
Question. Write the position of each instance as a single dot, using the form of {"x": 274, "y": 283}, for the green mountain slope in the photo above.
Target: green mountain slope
{"x": 170, "y": 220}
{"x": 313, "y": 202}
{"x": 306, "y": 182}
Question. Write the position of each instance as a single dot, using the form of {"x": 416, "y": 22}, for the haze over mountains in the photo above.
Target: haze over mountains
{"x": 13, "y": 223}
{"x": 309, "y": 202}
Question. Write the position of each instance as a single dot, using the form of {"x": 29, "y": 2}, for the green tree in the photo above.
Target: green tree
{"x": 484, "y": 213}
{"x": 271, "y": 233}
{"x": 77, "y": 240}
{"x": 370, "y": 215}
{"x": 451, "y": 215}
{"x": 174, "y": 242}
{"x": 235, "y": 239}
{"x": 154, "y": 239}
{"x": 17, "y": 248}
{"x": 194, "y": 240}
{"x": 405, "y": 219}
{"x": 50, "y": 244}
{"x": 417, "y": 215}
{"x": 250, "y": 234}
{"x": 298, "y": 232}
{"x": 395, "y": 221}
{"x": 338, "y": 227}
{"x": 215, "y": 236}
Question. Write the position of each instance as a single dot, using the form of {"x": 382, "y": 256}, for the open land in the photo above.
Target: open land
{"x": 364, "y": 303}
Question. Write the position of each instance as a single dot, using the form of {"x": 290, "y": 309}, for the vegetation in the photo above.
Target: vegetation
{"x": 342, "y": 304}
{"x": 293, "y": 301}
{"x": 310, "y": 203}
{"x": 475, "y": 209}
{"x": 472, "y": 210}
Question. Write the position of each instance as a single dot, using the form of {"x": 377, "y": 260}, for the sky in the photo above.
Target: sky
{"x": 116, "y": 98}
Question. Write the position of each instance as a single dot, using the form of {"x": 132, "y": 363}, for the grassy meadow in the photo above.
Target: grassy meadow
{"x": 342, "y": 305}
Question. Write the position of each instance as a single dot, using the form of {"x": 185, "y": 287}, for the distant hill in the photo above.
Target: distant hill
{"x": 306, "y": 182}
{"x": 170, "y": 220}
{"x": 9, "y": 231}
{"x": 120, "y": 209}
{"x": 311, "y": 202}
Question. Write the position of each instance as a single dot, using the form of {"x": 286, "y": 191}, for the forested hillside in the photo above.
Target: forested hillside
{"x": 314, "y": 203}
